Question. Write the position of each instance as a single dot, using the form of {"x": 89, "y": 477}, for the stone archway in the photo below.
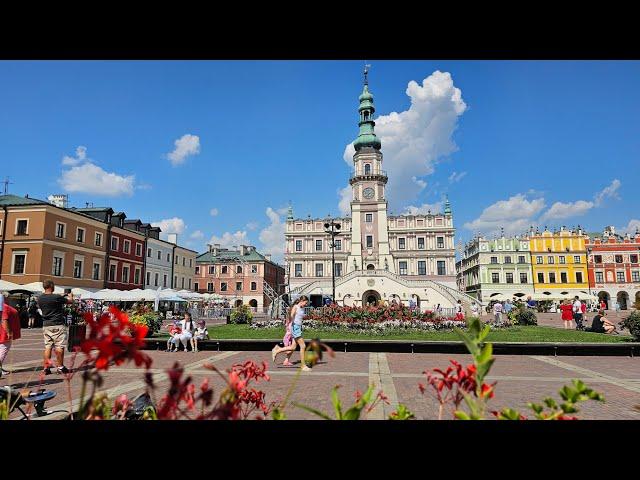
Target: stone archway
{"x": 370, "y": 297}
{"x": 347, "y": 300}
{"x": 623, "y": 300}
{"x": 416, "y": 299}
{"x": 253, "y": 303}
{"x": 371, "y": 266}
{"x": 604, "y": 296}
{"x": 238, "y": 302}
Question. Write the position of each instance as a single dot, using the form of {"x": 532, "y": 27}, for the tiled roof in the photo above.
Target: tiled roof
{"x": 228, "y": 255}
{"x": 8, "y": 200}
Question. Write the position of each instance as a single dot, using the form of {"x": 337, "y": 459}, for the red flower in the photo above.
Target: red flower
{"x": 115, "y": 339}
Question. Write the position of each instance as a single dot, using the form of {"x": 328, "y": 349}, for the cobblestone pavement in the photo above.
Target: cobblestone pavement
{"x": 521, "y": 378}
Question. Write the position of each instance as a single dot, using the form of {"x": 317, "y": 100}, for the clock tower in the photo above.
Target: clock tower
{"x": 369, "y": 231}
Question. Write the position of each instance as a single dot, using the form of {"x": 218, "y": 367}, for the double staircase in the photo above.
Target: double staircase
{"x": 450, "y": 293}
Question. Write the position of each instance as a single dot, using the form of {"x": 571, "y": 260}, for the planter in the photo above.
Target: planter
{"x": 76, "y": 335}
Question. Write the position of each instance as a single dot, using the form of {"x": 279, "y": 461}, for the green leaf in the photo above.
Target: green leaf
{"x": 483, "y": 369}
{"x": 471, "y": 346}
{"x": 550, "y": 402}
{"x": 402, "y": 413}
{"x": 353, "y": 413}
{"x": 460, "y": 415}
{"x": 337, "y": 406}
{"x": 509, "y": 414}
{"x": 313, "y": 410}
{"x": 535, "y": 407}
{"x": 278, "y": 414}
{"x": 485, "y": 353}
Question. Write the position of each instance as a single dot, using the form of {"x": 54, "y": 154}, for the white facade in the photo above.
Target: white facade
{"x": 159, "y": 258}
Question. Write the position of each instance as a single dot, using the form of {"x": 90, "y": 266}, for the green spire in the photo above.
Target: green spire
{"x": 367, "y": 136}
{"x": 447, "y": 205}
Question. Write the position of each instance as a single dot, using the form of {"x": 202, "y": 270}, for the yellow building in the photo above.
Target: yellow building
{"x": 559, "y": 263}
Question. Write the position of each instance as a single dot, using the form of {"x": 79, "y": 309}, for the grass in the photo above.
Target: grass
{"x": 512, "y": 334}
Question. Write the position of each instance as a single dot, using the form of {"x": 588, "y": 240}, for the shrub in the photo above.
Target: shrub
{"x": 150, "y": 319}
{"x": 526, "y": 317}
{"x": 242, "y": 314}
{"x": 632, "y": 323}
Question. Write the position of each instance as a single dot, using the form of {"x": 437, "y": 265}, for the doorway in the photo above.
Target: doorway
{"x": 370, "y": 297}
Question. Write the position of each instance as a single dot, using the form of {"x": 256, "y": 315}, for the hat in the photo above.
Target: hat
{"x": 201, "y": 322}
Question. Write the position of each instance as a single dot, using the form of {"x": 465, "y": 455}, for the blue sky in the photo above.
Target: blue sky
{"x": 544, "y": 143}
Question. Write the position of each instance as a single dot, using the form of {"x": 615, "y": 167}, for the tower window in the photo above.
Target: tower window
{"x": 367, "y": 169}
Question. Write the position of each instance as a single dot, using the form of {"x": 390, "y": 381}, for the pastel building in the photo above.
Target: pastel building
{"x": 614, "y": 271}
{"x": 496, "y": 269}
{"x": 40, "y": 241}
{"x": 125, "y": 249}
{"x": 243, "y": 276}
{"x": 559, "y": 263}
{"x": 184, "y": 265}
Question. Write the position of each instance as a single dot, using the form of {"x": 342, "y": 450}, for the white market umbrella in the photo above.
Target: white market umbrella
{"x": 4, "y": 285}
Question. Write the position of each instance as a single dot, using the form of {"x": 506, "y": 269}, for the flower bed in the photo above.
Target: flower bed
{"x": 375, "y": 320}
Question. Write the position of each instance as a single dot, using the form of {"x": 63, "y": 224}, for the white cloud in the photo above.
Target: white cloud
{"x": 424, "y": 208}
{"x": 90, "y": 178}
{"x": 186, "y": 145}
{"x": 608, "y": 192}
{"x": 345, "y": 200}
{"x": 81, "y": 156}
{"x": 170, "y": 225}
{"x": 213, "y": 212}
{"x": 228, "y": 240}
{"x": 252, "y": 225}
{"x": 456, "y": 177}
{"x": 197, "y": 235}
{"x": 515, "y": 215}
{"x": 560, "y": 210}
{"x": 86, "y": 177}
{"x": 631, "y": 227}
{"x": 421, "y": 183}
{"x": 415, "y": 139}
{"x": 272, "y": 237}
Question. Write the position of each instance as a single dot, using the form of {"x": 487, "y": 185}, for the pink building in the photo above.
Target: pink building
{"x": 242, "y": 276}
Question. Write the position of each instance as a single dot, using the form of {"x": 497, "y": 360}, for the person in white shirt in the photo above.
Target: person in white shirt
{"x": 187, "y": 326}
{"x": 475, "y": 310}
{"x": 201, "y": 333}
{"x": 577, "y": 313}
{"x": 497, "y": 311}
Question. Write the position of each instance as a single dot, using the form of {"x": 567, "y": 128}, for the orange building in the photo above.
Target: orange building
{"x": 40, "y": 241}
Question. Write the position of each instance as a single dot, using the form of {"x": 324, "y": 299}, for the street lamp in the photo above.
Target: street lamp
{"x": 332, "y": 228}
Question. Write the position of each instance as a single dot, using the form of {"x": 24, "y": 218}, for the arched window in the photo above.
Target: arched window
{"x": 367, "y": 169}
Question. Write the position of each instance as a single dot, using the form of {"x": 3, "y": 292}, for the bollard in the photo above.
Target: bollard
{"x": 555, "y": 351}
{"x": 412, "y": 348}
{"x": 345, "y": 347}
{"x": 218, "y": 343}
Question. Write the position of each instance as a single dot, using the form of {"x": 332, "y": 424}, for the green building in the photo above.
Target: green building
{"x": 495, "y": 269}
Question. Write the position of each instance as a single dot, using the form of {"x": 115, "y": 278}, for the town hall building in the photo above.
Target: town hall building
{"x": 378, "y": 257}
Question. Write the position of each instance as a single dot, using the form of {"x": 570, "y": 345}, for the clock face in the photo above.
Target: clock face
{"x": 368, "y": 192}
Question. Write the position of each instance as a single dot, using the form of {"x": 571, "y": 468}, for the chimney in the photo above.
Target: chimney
{"x": 243, "y": 250}
{"x": 172, "y": 238}
{"x": 268, "y": 256}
